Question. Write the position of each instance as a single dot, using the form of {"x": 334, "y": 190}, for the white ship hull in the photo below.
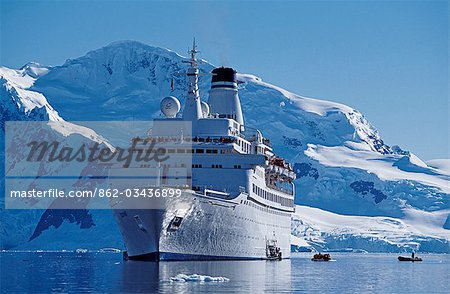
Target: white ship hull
{"x": 211, "y": 228}
{"x": 247, "y": 194}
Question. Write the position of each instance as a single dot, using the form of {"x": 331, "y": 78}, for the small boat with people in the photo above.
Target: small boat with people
{"x": 273, "y": 252}
{"x": 321, "y": 257}
{"x": 412, "y": 258}
{"x": 402, "y": 258}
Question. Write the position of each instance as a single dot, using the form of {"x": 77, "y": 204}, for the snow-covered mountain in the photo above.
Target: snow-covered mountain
{"x": 346, "y": 174}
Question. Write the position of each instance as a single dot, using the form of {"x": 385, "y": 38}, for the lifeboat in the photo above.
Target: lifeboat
{"x": 278, "y": 161}
{"x": 321, "y": 257}
{"x": 292, "y": 175}
{"x": 402, "y": 258}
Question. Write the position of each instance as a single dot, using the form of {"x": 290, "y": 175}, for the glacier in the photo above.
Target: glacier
{"x": 353, "y": 191}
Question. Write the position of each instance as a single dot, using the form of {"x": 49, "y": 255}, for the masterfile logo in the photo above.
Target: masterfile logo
{"x": 62, "y": 165}
{"x": 55, "y": 152}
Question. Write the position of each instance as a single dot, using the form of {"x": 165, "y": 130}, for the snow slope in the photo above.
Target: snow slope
{"x": 418, "y": 230}
{"x": 23, "y": 227}
{"x": 386, "y": 167}
{"x": 342, "y": 164}
{"x": 440, "y": 164}
{"x": 122, "y": 81}
{"x": 20, "y": 102}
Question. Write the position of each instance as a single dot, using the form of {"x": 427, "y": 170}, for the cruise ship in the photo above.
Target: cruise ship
{"x": 240, "y": 195}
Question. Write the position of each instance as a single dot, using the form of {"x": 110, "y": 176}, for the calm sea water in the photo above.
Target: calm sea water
{"x": 106, "y": 272}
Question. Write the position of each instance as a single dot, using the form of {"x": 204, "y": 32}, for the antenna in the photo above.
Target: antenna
{"x": 192, "y": 108}
{"x": 192, "y": 52}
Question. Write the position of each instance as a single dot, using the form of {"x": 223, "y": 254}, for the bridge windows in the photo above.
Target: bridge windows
{"x": 226, "y": 151}
{"x": 272, "y": 196}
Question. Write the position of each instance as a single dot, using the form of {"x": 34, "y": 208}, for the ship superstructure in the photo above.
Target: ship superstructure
{"x": 241, "y": 195}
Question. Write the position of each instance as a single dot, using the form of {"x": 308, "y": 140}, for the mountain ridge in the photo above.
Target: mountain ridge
{"x": 342, "y": 164}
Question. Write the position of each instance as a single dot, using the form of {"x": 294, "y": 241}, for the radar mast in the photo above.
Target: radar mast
{"x": 192, "y": 106}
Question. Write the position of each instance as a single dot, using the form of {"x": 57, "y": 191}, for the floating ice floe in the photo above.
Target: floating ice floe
{"x": 81, "y": 250}
{"x": 110, "y": 250}
{"x": 197, "y": 278}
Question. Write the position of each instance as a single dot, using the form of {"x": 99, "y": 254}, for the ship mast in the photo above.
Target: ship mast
{"x": 192, "y": 106}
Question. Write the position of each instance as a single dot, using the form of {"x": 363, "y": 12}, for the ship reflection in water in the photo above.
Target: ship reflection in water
{"x": 70, "y": 272}
{"x": 244, "y": 276}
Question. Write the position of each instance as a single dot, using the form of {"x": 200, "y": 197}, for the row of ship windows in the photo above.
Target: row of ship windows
{"x": 244, "y": 145}
{"x": 272, "y": 197}
{"x": 266, "y": 209}
{"x": 237, "y": 166}
{"x": 200, "y": 151}
{"x": 232, "y": 116}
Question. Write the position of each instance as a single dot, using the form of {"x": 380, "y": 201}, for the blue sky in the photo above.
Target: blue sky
{"x": 388, "y": 59}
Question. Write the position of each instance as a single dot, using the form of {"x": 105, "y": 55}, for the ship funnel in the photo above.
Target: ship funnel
{"x": 223, "y": 96}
